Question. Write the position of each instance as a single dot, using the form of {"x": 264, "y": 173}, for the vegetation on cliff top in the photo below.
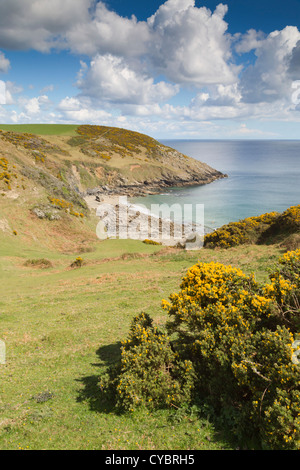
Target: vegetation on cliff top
{"x": 271, "y": 227}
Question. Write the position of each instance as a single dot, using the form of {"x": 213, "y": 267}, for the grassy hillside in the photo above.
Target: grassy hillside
{"x": 41, "y": 129}
{"x": 62, "y": 325}
{"x": 62, "y": 328}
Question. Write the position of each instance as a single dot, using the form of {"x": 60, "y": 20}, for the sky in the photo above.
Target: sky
{"x": 174, "y": 69}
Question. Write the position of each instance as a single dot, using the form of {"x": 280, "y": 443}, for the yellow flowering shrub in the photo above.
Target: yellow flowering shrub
{"x": 31, "y": 142}
{"x": 149, "y": 374}
{"x": 239, "y": 337}
{"x": 231, "y": 346}
{"x": 78, "y": 263}
{"x": 255, "y": 229}
{"x": 65, "y": 205}
{"x": 100, "y": 141}
{"x": 238, "y": 233}
{"x": 6, "y": 174}
{"x": 151, "y": 242}
{"x": 285, "y": 289}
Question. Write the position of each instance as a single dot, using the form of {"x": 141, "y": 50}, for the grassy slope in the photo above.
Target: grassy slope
{"x": 41, "y": 129}
{"x": 63, "y": 326}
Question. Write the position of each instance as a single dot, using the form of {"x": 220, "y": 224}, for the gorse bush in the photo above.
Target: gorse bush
{"x": 258, "y": 229}
{"x": 245, "y": 231}
{"x": 6, "y": 174}
{"x": 68, "y": 207}
{"x": 77, "y": 263}
{"x": 149, "y": 373}
{"x": 230, "y": 346}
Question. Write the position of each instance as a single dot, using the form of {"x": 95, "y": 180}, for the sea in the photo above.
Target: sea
{"x": 263, "y": 176}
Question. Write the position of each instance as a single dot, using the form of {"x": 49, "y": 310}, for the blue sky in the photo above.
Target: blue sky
{"x": 171, "y": 69}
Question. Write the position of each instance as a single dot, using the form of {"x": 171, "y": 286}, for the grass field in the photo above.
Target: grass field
{"x": 41, "y": 129}
{"x": 62, "y": 327}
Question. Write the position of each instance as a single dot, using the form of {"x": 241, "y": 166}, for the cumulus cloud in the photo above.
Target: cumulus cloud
{"x": 186, "y": 43}
{"x": 190, "y": 44}
{"x": 40, "y": 24}
{"x": 270, "y": 79}
{"x": 107, "y": 32}
{"x": 80, "y": 109}
{"x": 112, "y": 79}
{"x": 138, "y": 68}
{"x": 33, "y": 106}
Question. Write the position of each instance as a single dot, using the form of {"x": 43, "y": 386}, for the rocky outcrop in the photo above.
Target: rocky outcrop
{"x": 194, "y": 176}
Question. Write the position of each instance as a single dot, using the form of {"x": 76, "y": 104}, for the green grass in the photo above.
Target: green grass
{"x": 41, "y": 129}
{"x": 62, "y": 327}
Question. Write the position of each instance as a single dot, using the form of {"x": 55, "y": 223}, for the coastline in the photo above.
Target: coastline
{"x": 118, "y": 216}
{"x": 158, "y": 186}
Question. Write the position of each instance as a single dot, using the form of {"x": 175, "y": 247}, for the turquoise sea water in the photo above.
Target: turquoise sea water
{"x": 263, "y": 176}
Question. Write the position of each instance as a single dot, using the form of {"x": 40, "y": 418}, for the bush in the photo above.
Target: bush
{"x": 78, "y": 263}
{"x": 151, "y": 242}
{"x": 149, "y": 373}
{"x": 269, "y": 227}
{"x": 239, "y": 337}
{"x": 228, "y": 346}
{"x": 248, "y": 230}
{"x": 38, "y": 263}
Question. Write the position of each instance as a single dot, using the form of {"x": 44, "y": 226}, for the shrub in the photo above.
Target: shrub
{"x": 228, "y": 346}
{"x": 38, "y": 263}
{"x": 261, "y": 229}
{"x": 5, "y": 173}
{"x": 151, "y": 242}
{"x": 239, "y": 337}
{"x": 68, "y": 207}
{"x": 284, "y": 289}
{"x": 248, "y": 230}
{"x": 149, "y": 373}
{"x": 77, "y": 263}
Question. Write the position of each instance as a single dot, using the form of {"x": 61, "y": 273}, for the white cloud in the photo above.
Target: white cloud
{"x": 269, "y": 79}
{"x": 252, "y": 39}
{"x": 33, "y": 106}
{"x": 39, "y": 24}
{"x": 136, "y": 70}
{"x": 186, "y": 43}
{"x": 74, "y": 109}
{"x": 2, "y": 92}
{"x": 111, "y": 79}
{"x": 4, "y": 63}
{"x": 190, "y": 45}
{"x": 107, "y": 32}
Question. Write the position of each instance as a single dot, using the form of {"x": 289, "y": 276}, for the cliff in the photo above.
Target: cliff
{"x": 47, "y": 177}
{"x": 111, "y": 160}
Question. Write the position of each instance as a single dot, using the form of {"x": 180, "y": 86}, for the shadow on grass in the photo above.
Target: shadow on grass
{"x": 103, "y": 401}
{"x": 99, "y": 400}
